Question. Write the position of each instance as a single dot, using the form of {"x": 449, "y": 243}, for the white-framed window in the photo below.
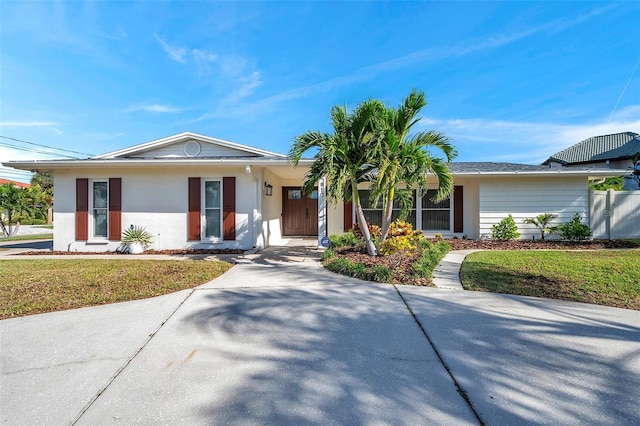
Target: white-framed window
{"x": 212, "y": 209}
{"x": 373, "y": 213}
{"x": 99, "y": 209}
{"x": 435, "y": 216}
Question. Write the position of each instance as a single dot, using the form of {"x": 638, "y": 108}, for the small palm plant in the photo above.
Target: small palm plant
{"x": 136, "y": 236}
{"x": 543, "y": 223}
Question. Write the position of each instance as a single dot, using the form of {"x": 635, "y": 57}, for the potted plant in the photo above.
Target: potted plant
{"x": 135, "y": 240}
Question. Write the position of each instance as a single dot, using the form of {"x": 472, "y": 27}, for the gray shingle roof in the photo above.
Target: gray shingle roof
{"x": 618, "y": 146}
{"x": 484, "y": 167}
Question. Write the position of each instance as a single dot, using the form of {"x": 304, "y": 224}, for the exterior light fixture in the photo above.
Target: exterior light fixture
{"x": 268, "y": 189}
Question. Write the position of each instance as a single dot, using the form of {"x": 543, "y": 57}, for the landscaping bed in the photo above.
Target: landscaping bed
{"x": 463, "y": 244}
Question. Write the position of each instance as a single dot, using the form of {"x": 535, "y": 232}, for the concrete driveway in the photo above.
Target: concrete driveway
{"x": 274, "y": 342}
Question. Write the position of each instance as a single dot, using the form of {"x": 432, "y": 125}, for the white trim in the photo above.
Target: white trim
{"x": 203, "y": 211}
{"x": 97, "y": 239}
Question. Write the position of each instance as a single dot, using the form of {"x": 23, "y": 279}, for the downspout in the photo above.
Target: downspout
{"x": 255, "y": 232}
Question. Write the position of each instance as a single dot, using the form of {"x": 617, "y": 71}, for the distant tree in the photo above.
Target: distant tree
{"x": 614, "y": 183}
{"x": 14, "y": 201}
{"x": 43, "y": 182}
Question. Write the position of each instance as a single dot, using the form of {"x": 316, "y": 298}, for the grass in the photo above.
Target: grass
{"x": 36, "y": 286}
{"x": 603, "y": 277}
{"x": 28, "y": 237}
{"x": 43, "y": 226}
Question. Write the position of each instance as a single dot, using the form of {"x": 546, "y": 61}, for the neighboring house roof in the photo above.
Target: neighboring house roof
{"x": 618, "y": 146}
{"x": 16, "y": 184}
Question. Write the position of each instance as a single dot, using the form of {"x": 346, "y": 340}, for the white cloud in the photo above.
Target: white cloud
{"x": 203, "y": 58}
{"x": 527, "y": 142}
{"x": 157, "y": 108}
{"x": 175, "y": 53}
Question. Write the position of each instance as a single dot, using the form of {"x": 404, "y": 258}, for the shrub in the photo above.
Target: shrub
{"x": 347, "y": 267}
{"x": 543, "y": 223}
{"x": 401, "y": 237}
{"x": 430, "y": 257}
{"x": 575, "y": 230}
{"x": 380, "y": 274}
{"x": 374, "y": 230}
{"x": 347, "y": 239}
{"x": 506, "y": 230}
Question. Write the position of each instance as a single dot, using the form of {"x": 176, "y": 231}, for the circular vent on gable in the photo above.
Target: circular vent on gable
{"x": 191, "y": 149}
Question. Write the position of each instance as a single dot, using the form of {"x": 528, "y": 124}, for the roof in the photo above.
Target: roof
{"x": 16, "y": 184}
{"x": 618, "y": 146}
{"x": 132, "y": 151}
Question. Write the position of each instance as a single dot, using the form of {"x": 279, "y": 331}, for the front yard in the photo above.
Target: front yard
{"x": 603, "y": 277}
{"x": 36, "y": 286}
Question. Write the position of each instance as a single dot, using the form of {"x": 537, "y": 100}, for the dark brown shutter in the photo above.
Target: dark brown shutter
{"x": 458, "y": 209}
{"x": 193, "y": 218}
{"x": 229, "y": 208}
{"x": 115, "y": 208}
{"x": 82, "y": 209}
{"x": 348, "y": 215}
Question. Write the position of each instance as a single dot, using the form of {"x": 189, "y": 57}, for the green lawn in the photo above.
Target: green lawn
{"x": 28, "y": 237}
{"x": 604, "y": 277}
{"x": 45, "y": 285}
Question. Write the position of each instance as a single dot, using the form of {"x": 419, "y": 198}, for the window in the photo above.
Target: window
{"x": 373, "y": 214}
{"x": 435, "y": 217}
{"x": 99, "y": 208}
{"x": 213, "y": 209}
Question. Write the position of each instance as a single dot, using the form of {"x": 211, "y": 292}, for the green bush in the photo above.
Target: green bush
{"x": 347, "y": 239}
{"x": 431, "y": 255}
{"x": 30, "y": 221}
{"x": 575, "y": 230}
{"x": 401, "y": 237}
{"x": 506, "y": 230}
{"x": 378, "y": 273}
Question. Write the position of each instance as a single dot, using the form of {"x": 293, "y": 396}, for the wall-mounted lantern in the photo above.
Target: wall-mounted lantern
{"x": 268, "y": 189}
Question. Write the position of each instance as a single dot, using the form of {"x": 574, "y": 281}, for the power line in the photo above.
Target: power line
{"x": 37, "y": 151}
{"x": 635, "y": 68}
{"x": 46, "y": 146}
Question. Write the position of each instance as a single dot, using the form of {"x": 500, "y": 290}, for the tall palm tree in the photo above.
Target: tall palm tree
{"x": 343, "y": 157}
{"x": 405, "y": 159}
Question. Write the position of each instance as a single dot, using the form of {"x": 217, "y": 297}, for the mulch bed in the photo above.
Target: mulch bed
{"x": 400, "y": 264}
{"x": 460, "y": 244}
{"x": 175, "y": 252}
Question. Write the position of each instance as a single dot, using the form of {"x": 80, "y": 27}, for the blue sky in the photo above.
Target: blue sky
{"x": 506, "y": 81}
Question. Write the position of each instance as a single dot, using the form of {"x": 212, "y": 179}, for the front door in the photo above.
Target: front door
{"x": 299, "y": 212}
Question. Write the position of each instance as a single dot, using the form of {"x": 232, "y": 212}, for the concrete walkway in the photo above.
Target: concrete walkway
{"x": 279, "y": 340}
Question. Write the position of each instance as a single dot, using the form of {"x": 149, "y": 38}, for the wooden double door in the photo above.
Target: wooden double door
{"x": 299, "y": 212}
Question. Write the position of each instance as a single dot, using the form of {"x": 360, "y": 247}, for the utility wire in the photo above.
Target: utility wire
{"x": 624, "y": 90}
{"x": 37, "y": 151}
{"x": 46, "y": 146}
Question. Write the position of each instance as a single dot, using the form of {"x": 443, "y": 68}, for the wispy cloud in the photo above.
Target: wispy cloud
{"x": 175, "y": 53}
{"x": 48, "y": 125}
{"x": 203, "y": 59}
{"x": 534, "y": 142}
{"x": 432, "y": 54}
{"x": 156, "y": 108}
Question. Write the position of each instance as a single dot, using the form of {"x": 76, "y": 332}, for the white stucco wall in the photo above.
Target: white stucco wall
{"x": 155, "y": 198}
{"x": 525, "y": 197}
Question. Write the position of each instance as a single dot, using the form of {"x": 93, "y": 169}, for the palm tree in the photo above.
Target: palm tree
{"x": 343, "y": 157}
{"x": 13, "y": 201}
{"x": 405, "y": 159}
{"x": 543, "y": 223}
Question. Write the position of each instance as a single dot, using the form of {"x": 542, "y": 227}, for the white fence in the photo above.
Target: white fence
{"x": 615, "y": 214}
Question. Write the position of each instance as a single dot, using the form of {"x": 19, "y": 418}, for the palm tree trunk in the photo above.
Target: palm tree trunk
{"x": 387, "y": 214}
{"x": 362, "y": 222}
